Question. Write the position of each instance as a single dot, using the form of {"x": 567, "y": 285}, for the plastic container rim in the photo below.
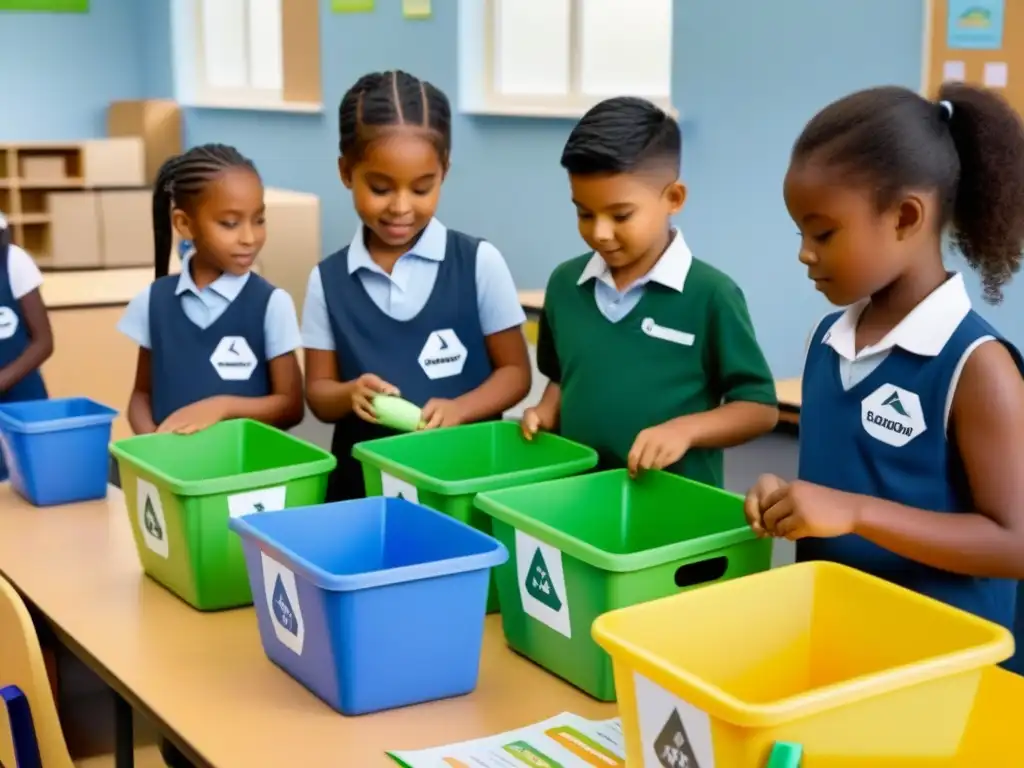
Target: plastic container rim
{"x": 354, "y": 582}
{"x": 365, "y": 453}
{"x": 104, "y": 415}
{"x": 228, "y": 483}
{"x": 724, "y": 706}
{"x": 600, "y": 558}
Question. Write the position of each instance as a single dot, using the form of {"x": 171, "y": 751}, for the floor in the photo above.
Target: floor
{"x": 88, "y": 707}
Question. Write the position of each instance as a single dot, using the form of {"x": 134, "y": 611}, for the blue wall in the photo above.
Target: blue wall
{"x": 747, "y": 75}
{"x": 61, "y": 70}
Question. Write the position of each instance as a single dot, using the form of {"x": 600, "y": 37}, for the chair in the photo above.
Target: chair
{"x": 23, "y": 681}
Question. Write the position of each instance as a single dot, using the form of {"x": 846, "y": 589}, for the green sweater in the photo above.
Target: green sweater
{"x": 675, "y": 353}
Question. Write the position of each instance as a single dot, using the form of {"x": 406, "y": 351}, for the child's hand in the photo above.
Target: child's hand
{"x": 800, "y": 510}
{"x": 366, "y": 388}
{"x": 658, "y": 447}
{"x": 534, "y": 420}
{"x": 439, "y": 412}
{"x": 195, "y": 417}
{"x": 754, "y": 505}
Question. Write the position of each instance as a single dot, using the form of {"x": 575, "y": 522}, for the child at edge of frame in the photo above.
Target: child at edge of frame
{"x": 380, "y": 313}
{"x": 650, "y": 353}
{"x": 912, "y": 416}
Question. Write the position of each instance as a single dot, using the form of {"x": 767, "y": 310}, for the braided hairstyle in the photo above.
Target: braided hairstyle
{"x": 968, "y": 147}
{"x": 180, "y": 183}
{"x": 383, "y": 100}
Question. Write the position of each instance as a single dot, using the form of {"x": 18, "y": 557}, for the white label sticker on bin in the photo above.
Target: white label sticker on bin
{"x": 252, "y": 502}
{"x": 398, "y": 489}
{"x": 152, "y": 522}
{"x": 673, "y": 733}
{"x": 283, "y": 604}
{"x": 542, "y": 583}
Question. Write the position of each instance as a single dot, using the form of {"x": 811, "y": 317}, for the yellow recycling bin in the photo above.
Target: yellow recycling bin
{"x": 846, "y": 664}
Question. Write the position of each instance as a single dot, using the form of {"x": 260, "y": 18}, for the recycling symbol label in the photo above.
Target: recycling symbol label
{"x": 443, "y": 355}
{"x": 674, "y": 733}
{"x": 538, "y": 583}
{"x": 8, "y": 322}
{"x": 282, "y": 596}
{"x": 542, "y": 583}
{"x": 233, "y": 359}
{"x": 253, "y": 502}
{"x": 152, "y": 522}
{"x": 394, "y": 488}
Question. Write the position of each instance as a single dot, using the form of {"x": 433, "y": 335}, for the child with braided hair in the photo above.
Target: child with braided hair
{"x": 216, "y": 342}
{"x": 408, "y": 306}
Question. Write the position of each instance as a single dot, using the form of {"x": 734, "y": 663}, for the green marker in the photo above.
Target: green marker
{"x": 397, "y": 413}
{"x": 785, "y": 754}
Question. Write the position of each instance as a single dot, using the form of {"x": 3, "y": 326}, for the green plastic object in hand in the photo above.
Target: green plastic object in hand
{"x": 785, "y": 754}
{"x": 397, "y": 413}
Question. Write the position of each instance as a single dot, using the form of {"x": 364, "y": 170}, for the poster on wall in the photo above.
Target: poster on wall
{"x": 976, "y": 24}
{"x": 352, "y": 6}
{"x": 46, "y": 6}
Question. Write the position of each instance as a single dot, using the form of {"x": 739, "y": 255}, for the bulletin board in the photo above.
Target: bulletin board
{"x": 976, "y": 41}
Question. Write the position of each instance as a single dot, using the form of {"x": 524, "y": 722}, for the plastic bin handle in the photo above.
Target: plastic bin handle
{"x": 701, "y": 572}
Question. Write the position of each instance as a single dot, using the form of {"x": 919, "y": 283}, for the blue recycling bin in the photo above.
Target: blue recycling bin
{"x": 372, "y": 604}
{"x": 55, "y": 451}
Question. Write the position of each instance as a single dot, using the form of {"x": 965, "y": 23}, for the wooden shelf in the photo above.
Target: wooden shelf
{"x": 50, "y": 194}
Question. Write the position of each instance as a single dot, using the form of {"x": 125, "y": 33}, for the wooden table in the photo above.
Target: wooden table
{"x": 788, "y": 393}
{"x": 203, "y": 678}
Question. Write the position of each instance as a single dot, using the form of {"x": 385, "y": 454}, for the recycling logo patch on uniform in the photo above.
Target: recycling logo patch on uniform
{"x": 542, "y": 588}
{"x": 151, "y": 519}
{"x": 443, "y": 355}
{"x": 8, "y": 322}
{"x": 233, "y": 359}
{"x": 282, "y": 600}
{"x": 893, "y": 415}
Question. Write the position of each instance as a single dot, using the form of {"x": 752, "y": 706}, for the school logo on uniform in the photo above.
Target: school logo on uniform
{"x": 233, "y": 359}
{"x": 8, "y": 322}
{"x": 443, "y": 355}
{"x": 892, "y": 415}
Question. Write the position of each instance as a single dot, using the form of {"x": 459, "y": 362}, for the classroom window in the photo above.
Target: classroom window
{"x": 259, "y": 54}
{"x": 559, "y": 57}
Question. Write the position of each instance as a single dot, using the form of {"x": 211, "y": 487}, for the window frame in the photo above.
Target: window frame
{"x": 572, "y": 104}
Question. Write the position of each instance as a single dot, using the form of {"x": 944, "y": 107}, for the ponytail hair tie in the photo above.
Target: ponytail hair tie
{"x": 946, "y": 109}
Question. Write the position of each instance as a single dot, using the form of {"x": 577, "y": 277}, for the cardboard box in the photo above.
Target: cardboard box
{"x": 74, "y": 230}
{"x": 156, "y": 121}
{"x": 126, "y": 228}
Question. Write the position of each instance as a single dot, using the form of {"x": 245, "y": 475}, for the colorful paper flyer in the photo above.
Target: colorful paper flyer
{"x": 976, "y": 24}
{"x": 563, "y": 741}
{"x": 352, "y": 6}
{"x": 416, "y": 9}
{"x": 46, "y": 6}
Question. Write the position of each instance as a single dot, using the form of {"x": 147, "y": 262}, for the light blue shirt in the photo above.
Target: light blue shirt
{"x": 404, "y": 292}
{"x": 203, "y": 307}
{"x": 670, "y": 270}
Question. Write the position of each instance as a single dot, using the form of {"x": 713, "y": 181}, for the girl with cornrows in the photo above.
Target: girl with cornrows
{"x": 409, "y": 307}
{"x": 217, "y": 341}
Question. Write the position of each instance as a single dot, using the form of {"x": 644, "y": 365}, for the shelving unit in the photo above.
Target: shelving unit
{"x": 52, "y": 192}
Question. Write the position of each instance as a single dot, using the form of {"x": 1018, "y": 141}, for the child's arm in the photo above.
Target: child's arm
{"x": 140, "y": 407}
{"x": 283, "y": 407}
{"x": 40, "y": 345}
{"x": 545, "y": 414}
{"x": 987, "y": 424}
{"x": 501, "y": 319}
{"x": 739, "y": 372}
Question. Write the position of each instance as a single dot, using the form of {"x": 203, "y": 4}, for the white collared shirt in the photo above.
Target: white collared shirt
{"x": 670, "y": 271}
{"x": 203, "y": 307}
{"x": 404, "y": 292}
{"x": 925, "y": 331}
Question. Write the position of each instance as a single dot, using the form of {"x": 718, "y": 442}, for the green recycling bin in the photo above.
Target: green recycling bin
{"x": 583, "y": 546}
{"x": 444, "y": 469}
{"x": 181, "y": 490}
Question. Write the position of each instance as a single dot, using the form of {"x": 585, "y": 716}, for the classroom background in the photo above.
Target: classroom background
{"x": 97, "y": 92}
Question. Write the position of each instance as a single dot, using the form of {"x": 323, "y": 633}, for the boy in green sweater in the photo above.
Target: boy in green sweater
{"x": 650, "y": 353}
